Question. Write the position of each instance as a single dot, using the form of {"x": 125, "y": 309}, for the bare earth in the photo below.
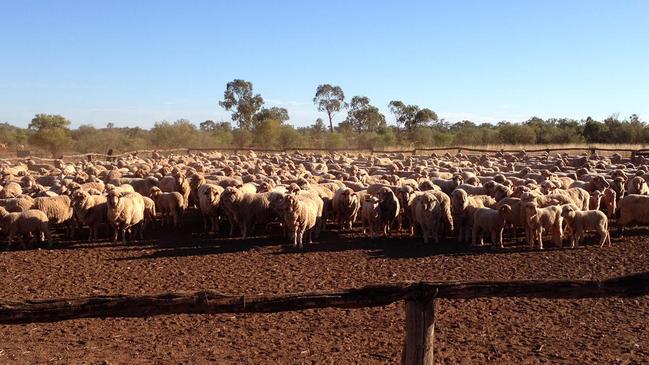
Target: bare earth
{"x": 530, "y": 331}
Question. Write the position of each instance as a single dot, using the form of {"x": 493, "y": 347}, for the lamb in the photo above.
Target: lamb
{"x": 448, "y": 186}
{"x": 25, "y": 223}
{"x": 609, "y": 201}
{"x": 301, "y": 215}
{"x": 89, "y": 210}
{"x": 125, "y": 211}
{"x": 546, "y": 219}
{"x": 370, "y": 215}
{"x": 169, "y": 204}
{"x": 345, "y": 207}
{"x": 389, "y": 209}
{"x": 586, "y": 221}
{"x": 462, "y": 208}
{"x": 427, "y": 214}
{"x": 490, "y": 220}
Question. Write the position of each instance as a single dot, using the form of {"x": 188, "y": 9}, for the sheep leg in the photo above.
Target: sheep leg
{"x": 500, "y": 237}
{"x": 474, "y": 236}
{"x": 123, "y": 235}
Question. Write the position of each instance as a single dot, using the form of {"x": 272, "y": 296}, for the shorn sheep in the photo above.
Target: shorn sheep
{"x": 170, "y": 205}
{"x": 32, "y": 221}
{"x": 492, "y": 221}
{"x": 580, "y": 222}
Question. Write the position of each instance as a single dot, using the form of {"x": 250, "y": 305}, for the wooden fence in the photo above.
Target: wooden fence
{"x": 411, "y": 151}
{"x": 419, "y": 300}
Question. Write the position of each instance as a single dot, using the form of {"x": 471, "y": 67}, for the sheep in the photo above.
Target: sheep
{"x": 515, "y": 217}
{"x": 490, "y": 220}
{"x": 24, "y": 223}
{"x": 169, "y": 204}
{"x": 370, "y": 215}
{"x": 389, "y": 209}
{"x": 427, "y": 214}
{"x": 58, "y": 210}
{"x": 634, "y": 209}
{"x": 462, "y": 208}
{"x": 89, "y": 210}
{"x": 18, "y": 204}
{"x": 345, "y": 207}
{"x": 609, "y": 201}
{"x": 301, "y": 215}
{"x": 11, "y": 190}
{"x": 445, "y": 205}
{"x": 449, "y": 185}
{"x": 637, "y": 185}
{"x": 124, "y": 212}
{"x": 586, "y": 221}
{"x": 246, "y": 209}
{"x": 149, "y": 212}
{"x": 546, "y": 219}
{"x": 209, "y": 197}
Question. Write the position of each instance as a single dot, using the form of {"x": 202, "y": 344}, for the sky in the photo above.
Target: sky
{"x": 133, "y": 63}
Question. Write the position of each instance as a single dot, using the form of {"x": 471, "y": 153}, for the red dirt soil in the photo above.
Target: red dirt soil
{"x": 505, "y": 331}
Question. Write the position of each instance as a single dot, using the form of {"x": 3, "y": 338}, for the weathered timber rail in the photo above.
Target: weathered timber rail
{"x": 412, "y": 151}
{"x": 419, "y": 298}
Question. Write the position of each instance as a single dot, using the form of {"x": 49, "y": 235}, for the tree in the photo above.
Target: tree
{"x": 410, "y": 116}
{"x": 330, "y": 99}
{"x": 207, "y": 126}
{"x": 364, "y": 117}
{"x": 238, "y": 96}
{"x": 52, "y": 133}
{"x": 274, "y": 113}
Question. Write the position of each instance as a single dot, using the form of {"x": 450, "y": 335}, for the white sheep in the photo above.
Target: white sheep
{"x": 169, "y": 204}
{"x": 25, "y": 223}
{"x": 427, "y": 214}
{"x": 345, "y": 206}
{"x": 492, "y": 221}
{"x": 580, "y": 222}
{"x": 89, "y": 210}
{"x": 125, "y": 211}
{"x": 301, "y": 215}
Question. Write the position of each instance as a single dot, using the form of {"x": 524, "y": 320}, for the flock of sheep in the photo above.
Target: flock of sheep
{"x": 462, "y": 196}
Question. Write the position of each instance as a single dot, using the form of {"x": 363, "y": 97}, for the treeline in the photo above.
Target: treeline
{"x": 363, "y": 126}
{"x": 51, "y": 133}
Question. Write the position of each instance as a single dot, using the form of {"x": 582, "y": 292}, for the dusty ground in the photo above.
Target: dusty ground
{"x": 609, "y": 331}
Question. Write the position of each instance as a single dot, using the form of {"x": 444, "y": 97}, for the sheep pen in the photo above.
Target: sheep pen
{"x": 195, "y": 257}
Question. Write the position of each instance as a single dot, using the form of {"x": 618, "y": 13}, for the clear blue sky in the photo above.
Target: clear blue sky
{"x": 137, "y": 62}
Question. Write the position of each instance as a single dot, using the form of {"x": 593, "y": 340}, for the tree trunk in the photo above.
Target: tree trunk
{"x": 331, "y": 124}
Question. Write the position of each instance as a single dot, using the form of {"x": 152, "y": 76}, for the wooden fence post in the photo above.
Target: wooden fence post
{"x": 420, "y": 332}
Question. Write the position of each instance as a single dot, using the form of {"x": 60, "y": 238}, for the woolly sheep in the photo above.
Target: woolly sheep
{"x": 24, "y": 223}
{"x": 89, "y": 210}
{"x": 124, "y": 212}
{"x": 427, "y": 214}
{"x": 345, "y": 207}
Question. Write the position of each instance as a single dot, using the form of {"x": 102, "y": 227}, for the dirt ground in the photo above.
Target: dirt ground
{"x": 503, "y": 331}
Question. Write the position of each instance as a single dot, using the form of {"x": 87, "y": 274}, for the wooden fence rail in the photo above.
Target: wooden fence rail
{"x": 412, "y": 151}
{"x": 419, "y": 297}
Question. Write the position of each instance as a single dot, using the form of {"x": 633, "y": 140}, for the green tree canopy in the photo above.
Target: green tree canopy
{"x": 239, "y": 96}
{"x": 364, "y": 117}
{"x": 329, "y": 99}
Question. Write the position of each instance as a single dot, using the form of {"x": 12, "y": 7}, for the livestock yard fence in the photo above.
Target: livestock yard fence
{"x": 590, "y": 150}
{"x": 419, "y": 300}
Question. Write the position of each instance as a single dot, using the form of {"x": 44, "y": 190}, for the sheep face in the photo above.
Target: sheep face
{"x": 113, "y": 198}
